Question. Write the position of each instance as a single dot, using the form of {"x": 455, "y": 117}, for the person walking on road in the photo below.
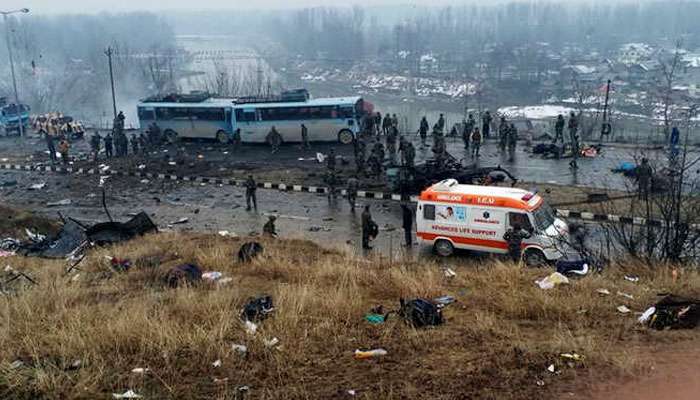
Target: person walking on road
{"x": 407, "y": 214}
{"x": 305, "y": 137}
{"x": 644, "y": 178}
{"x": 50, "y": 145}
{"x": 423, "y": 130}
{"x": 250, "y": 187}
{"x": 236, "y": 140}
{"x": 476, "y": 142}
{"x": 134, "y": 145}
{"x": 559, "y": 129}
{"x": 367, "y": 227}
{"x": 351, "y": 191}
{"x": 64, "y": 148}
{"x": 503, "y": 130}
{"x": 486, "y": 120}
{"x": 109, "y": 145}
{"x": 573, "y": 136}
{"x": 274, "y": 139}
{"x": 512, "y": 141}
{"x": 95, "y": 141}
{"x": 330, "y": 161}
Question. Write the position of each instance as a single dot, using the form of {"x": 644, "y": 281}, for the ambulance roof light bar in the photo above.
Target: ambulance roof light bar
{"x": 447, "y": 184}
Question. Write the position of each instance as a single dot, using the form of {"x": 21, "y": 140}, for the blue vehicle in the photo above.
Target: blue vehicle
{"x": 10, "y": 115}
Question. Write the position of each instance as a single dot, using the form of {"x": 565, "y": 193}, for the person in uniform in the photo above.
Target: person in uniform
{"x": 305, "y": 137}
{"x": 367, "y": 223}
{"x": 573, "y": 136}
{"x": 250, "y": 187}
{"x": 236, "y": 140}
{"x": 423, "y": 130}
{"x": 95, "y": 141}
{"x": 559, "y": 129}
{"x": 50, "y": 145}
{"x": 108, "y": 145}
{"x": 64, "y": 148}
{"x": 441, "y": 123}
{"x": 486, "y": 120}
{"x": 503, "y": 130}
{"x": 352, "y": 186}
{"x": 407, "y": 216}
{"x": 330, "y": 161}
{"x": 644, "y": 178}
{"x": 134, "y": 145}
{"x": 274, "y": 139}
{"x": 476, "y": 140}
{"x": 514, "y": 237}
{"x": 512, "y": 141}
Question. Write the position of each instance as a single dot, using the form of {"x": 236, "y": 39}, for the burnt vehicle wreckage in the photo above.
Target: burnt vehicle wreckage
{"x": 413, "y": 180}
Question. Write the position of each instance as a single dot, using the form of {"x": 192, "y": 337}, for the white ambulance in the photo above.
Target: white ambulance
{"x": 451, "y": 215}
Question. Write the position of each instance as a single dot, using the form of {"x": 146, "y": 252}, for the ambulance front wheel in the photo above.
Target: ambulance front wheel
{"x": 534, "y": 258}
{"x": 444, "y": 248}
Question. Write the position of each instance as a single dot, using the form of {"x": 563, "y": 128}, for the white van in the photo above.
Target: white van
{"x": 451, "y": 215}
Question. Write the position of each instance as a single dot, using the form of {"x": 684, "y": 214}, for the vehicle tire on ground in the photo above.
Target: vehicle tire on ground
{"x": 222, "y": 137}
{"x": 346, "y": 136}
{"x": 170, "y": 136}
{"x": 444, "y": 248}
{"x": 534, "y": 258}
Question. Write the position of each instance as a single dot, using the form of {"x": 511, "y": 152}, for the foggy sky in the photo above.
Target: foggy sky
{"x": 93, "y": 6}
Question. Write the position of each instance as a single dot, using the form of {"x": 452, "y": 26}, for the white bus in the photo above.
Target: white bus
{"x": 327, "y": 119}
{"x": 199, "y": 116}
{"x": 195, "y": 116}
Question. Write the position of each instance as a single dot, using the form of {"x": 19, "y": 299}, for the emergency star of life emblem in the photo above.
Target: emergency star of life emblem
{"x": 486, "y": 215}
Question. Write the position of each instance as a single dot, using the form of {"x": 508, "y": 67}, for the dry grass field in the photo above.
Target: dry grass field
{"x": 497, "y": 342}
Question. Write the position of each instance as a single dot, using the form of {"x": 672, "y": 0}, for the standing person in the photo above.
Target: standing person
{"x": 332, "y": 182}
{"x": 644, "y": 177}
{"x": 50, "y": 145}
{"x": 377, "y": 124}
{"x": 64, "y": 148}
{"x": 559, "y": 129}
{"x": 514, "y": 236}
{"x": 236, "y": 140}
{"x": 360, "y": 155}
{"x": 367, "y": 224}
{"x": 250, "y": 187}
{"x": 386, "y": 124}
{"x": 269, "y": 228}
{"x": 108, "y": 145}
{"x": 154, "y": 134}
{"x": 134, "y": 145}
{"x": 274, "y": 139}
{"x": 120, "y": 120}
{"x": 465, "y": 133}
{"x": 143, "y": 143}
{"x": 351, "y": 190}
{"x": 410, "y": 156}
{"x": 573, "y": 136}
{"x": 407, "y": 214}
{"x": 305, "y": 137}
{"x": 512, "y": 141}
{"x": 486, "y": 120}
{"x": 330, "y": 161}
{"x": 391, "y": 143}
{"x": 476, "y": 142}
{"x": 503, "y": 131}
{"x": 395, "y": 123}
{"x": 423, "y": 130}
{"x": 95, "y": 145}
{"x": 441, "y": 123}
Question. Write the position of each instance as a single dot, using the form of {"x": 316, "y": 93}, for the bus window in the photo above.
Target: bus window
{"x": 429, "y": 212}
{"x": 146, "y": 113}
{"x": 207, "y": 114}
{"x": 180, "y": 113}
{"x": 163, "y": 113}
{"x": 228, "y": 116}
{"x": 345, "y": 112}
{"x": 247, "y": 115}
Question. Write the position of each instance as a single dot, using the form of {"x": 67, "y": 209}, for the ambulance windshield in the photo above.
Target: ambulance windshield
{"x": 544, "y": 217}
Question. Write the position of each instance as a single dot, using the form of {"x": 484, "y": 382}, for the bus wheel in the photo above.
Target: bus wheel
{"x": 170, "y": 136}
{"x": 444, "y": 248}
{"x": 222, "y": 137}
{"x": 534, "y": 258}
{"x": 345, "y": 136}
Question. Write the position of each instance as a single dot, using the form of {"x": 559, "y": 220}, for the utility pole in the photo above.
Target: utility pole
{"x": 109, "y": 53}
{"x": 20, "y": 123}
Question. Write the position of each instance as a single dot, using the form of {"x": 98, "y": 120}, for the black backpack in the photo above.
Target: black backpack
{"x": 420, "y": 313}
{"x": 249, "y": 251}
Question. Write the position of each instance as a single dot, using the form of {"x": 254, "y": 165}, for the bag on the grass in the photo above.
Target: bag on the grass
{"x": 420, "y": 313}
{"x": 249, "y": 251}
{"x": 257, "y": 309}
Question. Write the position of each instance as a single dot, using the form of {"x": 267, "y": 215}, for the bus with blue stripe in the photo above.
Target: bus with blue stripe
{"x": 326, "y": 119}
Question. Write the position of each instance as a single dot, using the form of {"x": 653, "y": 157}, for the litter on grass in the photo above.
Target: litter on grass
{"x": 623, "y": 309}
{"x": 367, "y": 354}
{"x": 129, "y": 394}
{"x": 604, "y": 292}
{"x": 553, "y": 280}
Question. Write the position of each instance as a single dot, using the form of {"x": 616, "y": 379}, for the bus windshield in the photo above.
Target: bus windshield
{"x": 544, "y": 217}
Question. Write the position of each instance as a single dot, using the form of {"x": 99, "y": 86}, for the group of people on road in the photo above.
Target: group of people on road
{"x": 573, "y": 126}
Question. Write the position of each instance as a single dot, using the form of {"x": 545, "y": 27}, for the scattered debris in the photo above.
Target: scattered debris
{"x": 675, "y": 312}
{"x": 367, "y": 354}
{"x": 69, "y": 239}
{"x": 572, "y": 356}
{"x": 216, "y": 364}
{"x": 145, "y": 181}
{"x": 75, "y": 365}
{"x": 37, "y": 186}
{"x": 141, "y": 166}
{"x": 420, "y": 313}
{"x": 257, "y": 309}
{"x": 4, "y": 253}
{"x": 140, "y": 370}
{"x": 443, "y": 301}
{"x": 646, "y": 315}
{"x": 551, "y": 368}
{"x": 186, "y": 274}
{"x": 249, "y": 251}
{"x": 623, "y": 309}
{"x": 227, "y": 234}
{"x": 34, "y": 237}
{"x": 375, "y": 319}
{"x": 449, "y": 273}
{"x": 129, "y": 394}
{"x": 319, "y": 229}
{"x": 579, "y": 267}
{"x": 182, "y": 220}
{"x": 604, "y": 292}
{"x": 8, "y": 183}
{"x": 625, "y": 295}
{"x": 632, "y": 278}
{"x": 251, "y": 327}
{"x": 212, "y": 276}
{"x": 552, "y": 281}
{"x": 272, "y": 342}
{"x": 239, "y": 348}
{"x": 114, "y": 232}
{"x": 16, "y": 364}
{"x": 64, "y": 202}
{"x": 119, "y": 264}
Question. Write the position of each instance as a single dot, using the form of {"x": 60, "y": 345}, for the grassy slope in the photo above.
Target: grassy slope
{"x": 497, "y": 342}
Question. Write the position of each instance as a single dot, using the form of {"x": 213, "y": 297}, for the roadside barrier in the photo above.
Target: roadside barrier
{"x": 580, "y": 215}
